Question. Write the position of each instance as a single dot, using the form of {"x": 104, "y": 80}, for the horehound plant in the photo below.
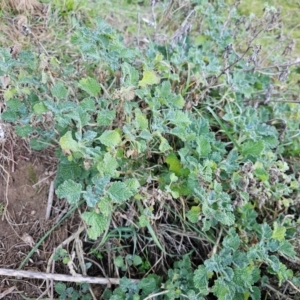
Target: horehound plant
{"x": 178, "y": 150}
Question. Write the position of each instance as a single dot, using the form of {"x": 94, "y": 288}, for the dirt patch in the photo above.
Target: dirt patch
{"x": 24, "y": 188}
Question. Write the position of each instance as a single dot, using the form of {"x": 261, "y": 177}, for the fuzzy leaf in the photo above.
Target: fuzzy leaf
{"x": 24, "y": 131}
{"x": 67, "y": 142}
{"x": 69, "y": 190}
{"x": 149, "y": 78}
{"x": 143, "y": 221}
{"x": 130, "y": 74}
{"x": 278, "y": 232}
{"x": 164, "y": 145}
{"x": 119, "y": 192}
{"x": 89, "y": 85}
{"x": 60, "y": 288}
{"x": 38, "y": 144}
{"x": 97, "y": 222}
{"x": 231, "y": 240}
{"x": 286, "y": 248}
{"x": 68, "y": 170}
{"x": 14, "y": 104}
{"x": 201, "y": 277}
{"x": 90, "y": 196}
{"x": 119, "y": 261}
{"x": 59, "y": 91}
{"x": 110, "y": 138}
{"x": 252, "y": 148}
{"x": 174, "y": 163}
{"x": 40, "y": 108}
{"x": 193, "y": 214}
{"x": 105, "y": 206}
{"x": 9, "y": 116}
{"x": 87, "y": 104}
{"x": 137, "y": 260}
{"x": 106, "y": 117}
{"x": 133, "y": 185}
{"x": 141, "y": 120}
{"x": 204, "y": 147}
{"x": 221, "y": 290}
{"x": 108, "y": 165}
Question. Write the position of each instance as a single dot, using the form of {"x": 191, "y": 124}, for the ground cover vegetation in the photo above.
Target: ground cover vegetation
{"x": 177, "y": 140}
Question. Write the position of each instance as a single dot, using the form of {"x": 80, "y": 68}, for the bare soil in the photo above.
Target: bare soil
{"x": 24, "y": 188}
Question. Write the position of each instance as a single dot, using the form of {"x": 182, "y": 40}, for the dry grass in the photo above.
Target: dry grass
{"x": 20, "y": 5}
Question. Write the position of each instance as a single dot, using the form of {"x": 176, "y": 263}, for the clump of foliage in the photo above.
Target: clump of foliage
{"x": 185, "y": 146}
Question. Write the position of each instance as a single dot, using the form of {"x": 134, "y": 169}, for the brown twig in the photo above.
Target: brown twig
{"x": 60, "y": 277}
{"x": 282, "y": 296}
{"x": 50, "y": 200}
{"x": 287, "y": 64}
{"x": 7, "y": 292}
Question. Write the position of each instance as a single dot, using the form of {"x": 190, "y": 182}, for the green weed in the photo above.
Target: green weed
{"x": 180, "y": 149}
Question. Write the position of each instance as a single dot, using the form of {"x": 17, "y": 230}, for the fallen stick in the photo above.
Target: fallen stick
{"x": 7, "y": 292}
{"x": 60, "y": 277}
{"x": 50, "y": 200}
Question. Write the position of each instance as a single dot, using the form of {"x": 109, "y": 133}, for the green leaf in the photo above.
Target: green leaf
{"x": 174, "y": 163}
{"x": 179, "y": 118}
{"x": 201, "y": 277}
{"x": 69, "y": 190}
{"x": 67, "y": 142}
{"x": 9, "y": 93}
{"x": 89, "y": 85}
{"x": 38, "y": 144}
{"x": 146, "y": 135}
{"x": 119, "y": 192}
{"x": 87, "y": 104}
{"x": 243, "y": 279}
{"x": 227, "y": 218}
{"x": 252, "y": 148}
{"x": 176, "y": 101}
{"x": 60, "y": 288}
{"x": 149, "y": 284}
{"x": 287, "y": 248}
{"x": 132, "y": 184}
{"x": 105, "y": 206}
{"x": 164, "y": 145}
{"x": 261, "y": 174}
{"x": 106, "y": 117}
{"x": 68, "y": 170}
{"x": 204, "y": 147}
{"x": 240, "y": 259}
{"x": 193, "y": 214}
{"x": 130, "y": 74}
{"x": 40, "y": 108}
{"x": 143, "y": 221}
{"x": 149, "y": 78}
{"x": 141, "y": 120}
{"x": 222, "y": 291}
{"x": 231, "y": 240}
{"x": 119, "y": 262}
{"x": 24, "y": 131}
{"x": 90, "y": 197}
{"x": 14, "y": 104}
{"x": 108, "y": 165}
{"x": 137, "y": 260}
{"x": 278, "y": 232}
{"x": 97, "y": 222}
{"x": 59, "y": 91}
{"x": 256, "y": 294}
{"x": 266, "y": 231}
{"x": 9, "y": 116}
{"x": 110, "y": 138}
